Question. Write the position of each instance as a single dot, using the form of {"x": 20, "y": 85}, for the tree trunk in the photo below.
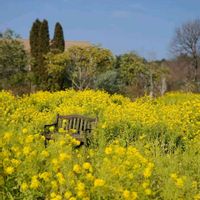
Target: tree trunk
{"x": 195, "y": 64}
{"x": 163, "y": 88}
{"x": 151, "y": 94}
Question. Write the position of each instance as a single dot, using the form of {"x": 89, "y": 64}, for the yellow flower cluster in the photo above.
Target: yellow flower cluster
{"x": 148, "y": 170}
{"x": 179, "y": 181}
{"x": 9, "y": 170}
{"x": 99, "y": 182}
{"x": 34, "y": 182}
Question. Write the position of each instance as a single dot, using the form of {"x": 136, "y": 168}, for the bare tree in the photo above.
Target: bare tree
{"x": 187, "y": 42}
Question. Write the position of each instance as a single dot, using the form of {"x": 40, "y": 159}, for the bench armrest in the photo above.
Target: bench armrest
{"x": 49, "y": 125}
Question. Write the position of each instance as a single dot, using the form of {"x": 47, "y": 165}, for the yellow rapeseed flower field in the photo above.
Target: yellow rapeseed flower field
{"x": 146, "y": 149}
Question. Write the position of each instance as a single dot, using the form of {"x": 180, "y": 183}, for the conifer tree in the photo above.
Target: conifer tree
{"x": 44, "y": 38}
{"x": 39, "y": 44}
{"x": 58, "y": 42}
{"x": 34, "y": 38}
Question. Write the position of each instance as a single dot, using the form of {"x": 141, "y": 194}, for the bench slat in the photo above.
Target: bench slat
{"x": 85, "y": 125}
{"x": 78, "y": 124}
{"x": 81, "y": 125}
{"x": 74, "y": 123}
{"x": 70, "y": 124}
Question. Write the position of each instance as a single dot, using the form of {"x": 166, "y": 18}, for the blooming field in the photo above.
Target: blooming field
{"x": 147, "y": 149}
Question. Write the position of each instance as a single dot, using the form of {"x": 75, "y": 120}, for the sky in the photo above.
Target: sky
{"x": 144, "y": 26}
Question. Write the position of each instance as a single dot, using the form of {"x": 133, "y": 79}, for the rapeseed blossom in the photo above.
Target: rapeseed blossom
{"x": 34, "y": 182}
{"x": 67, "y": 194}
{"x": 87, "y": 165}
{"x": 99, "y": 182}
{"x": 80, "y": 186}
{"x": 108, "y": 150}
{"x": 148, "y": 170}
{"x": 77, "y": 168}
{"x": 9, "y": 170}
{"x": 24, "y": 187}
{"x": 45, "y": 176}
{"x": 126, "y": 194}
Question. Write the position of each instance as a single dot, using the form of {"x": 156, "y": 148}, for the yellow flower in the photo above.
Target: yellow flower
{"x": 142, "y": 137}
{"x": 148, "y": 192}
{"x": 126, "y": 194}
{"x": 61, "y": 130}
{"x": 73, "y": 131}
{"x": 134, "y": 195}
{"x": 53, "y": 194}
{"x": 14, "y": 149}
{"x": 80, "y": 186}
{"x": 99, "y": 182}
{"x": 34, "y": 183}
{"x": 45, "y": 176}
{"x": 108, "y": 150}
{"x": 173, "y": 176}
{"x": 62, "y": 142}
{"x": 60, "y": 177}
{"x": 9, "y": 170}
{"x": 7, "y": 136}
{"x": 37, "y": 136}
{"x": 54, "y": 185}
{"x": 89, "y": 177}
{"x": 85, "y": 198}
{"x": 29, "y": 139}
{"x": 67, "y": 194}
{"x": 33, "y": 153}
{"x": 52, "y": 128}
{"x": 24, "y": 130}
{"x": 72, "y": 198}
{"x": 57, "y": 197}
{"x": 179, "y": 182}
{"x": 145, "y": 184}
{"x": 54, "y": 161}
{"x": 26, "y": 150}
{"x": 77, "y": 168}
{"x": 194, "y": 184}
{"x": 81, "y": 193}
{"x": 64, "y": 156}
{"x": 76, "y": 142}
{"x": 86, "y": 165}
{"x": 45, "y": 153}
{"x": 24, "y": 187}
{"x": 120, "y": 150}
{"x": 148, "y": 170}
{"x": 15, "y": 162}
{"x": 197, "y": 197}
{"x": 103, "y": 126}
{"x": 43, "y": 139}
{"x": 78, "y": 155}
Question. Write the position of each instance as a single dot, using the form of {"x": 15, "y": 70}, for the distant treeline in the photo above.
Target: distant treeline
{"x": 49, "y": 66}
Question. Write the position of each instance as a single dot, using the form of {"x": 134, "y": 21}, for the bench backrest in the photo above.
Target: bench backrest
{"x": 78, "y": 122}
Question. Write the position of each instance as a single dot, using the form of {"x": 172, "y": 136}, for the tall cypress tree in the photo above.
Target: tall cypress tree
{"x": 58, "y": 42}
{"x": 44, "y": 37}
{"x": 34, "y": 38}
{"x": 39, "y": 43}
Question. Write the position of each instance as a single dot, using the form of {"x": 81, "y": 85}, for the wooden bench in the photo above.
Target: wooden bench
{"x": 82, "y": 126}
